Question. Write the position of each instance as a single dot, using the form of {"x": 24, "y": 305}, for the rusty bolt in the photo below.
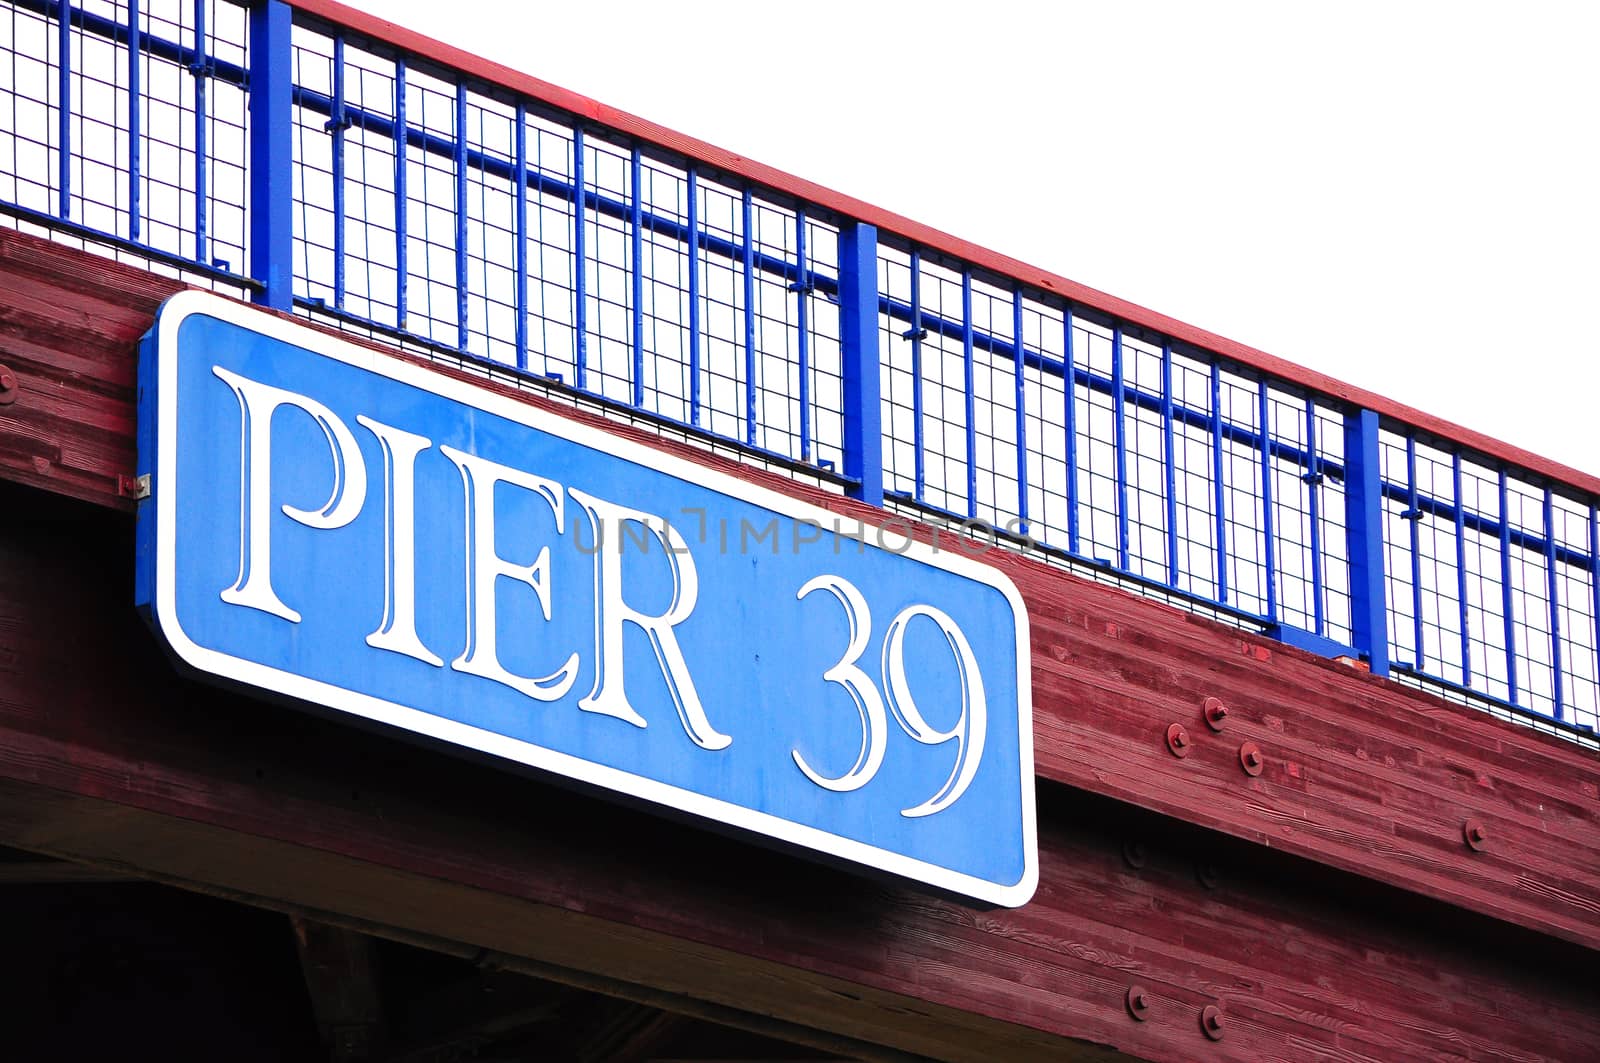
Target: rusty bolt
{"x": 1178, "y": 740}
{"x": 1216, "y": 713}
{"x": 1138, "y": 1002}
{"x": 1135, "y": 853}
{"x": 1475, "y": 835}
{"x": 1211, "y": 1022}
{"x": 8, "y": 386}
{"x": 1250, "y": 758}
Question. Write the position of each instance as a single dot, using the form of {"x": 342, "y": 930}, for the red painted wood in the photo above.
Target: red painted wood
{"x": 1362, "y": 774}
{"x": 105, "y": 753}
{"x": 928, "y": 237}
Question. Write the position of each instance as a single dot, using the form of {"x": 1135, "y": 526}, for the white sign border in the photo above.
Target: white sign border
{"x": 190, "y": 303}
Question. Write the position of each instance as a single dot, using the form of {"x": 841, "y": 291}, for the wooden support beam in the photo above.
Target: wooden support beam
{"x": 338, "y": 968}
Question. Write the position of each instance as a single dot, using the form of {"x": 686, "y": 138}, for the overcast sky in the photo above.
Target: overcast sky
{"x": 1404, "y": 195}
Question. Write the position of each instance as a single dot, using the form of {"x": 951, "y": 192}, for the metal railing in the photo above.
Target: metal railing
{"x": 403, "y": 189}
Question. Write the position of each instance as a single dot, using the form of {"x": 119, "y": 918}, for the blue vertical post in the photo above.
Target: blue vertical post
{"x": 1363, "y": 492}
{"x": 694, "y": 298}
{"x": 802, "y": 291}
{"x": 336, "y": 126}
{"x": 1069, "y": 387}
{"x": 580, "y": 268}
{"x": 636, "y": 261}
{"x": 1120, "y": 436}
{"x": 1268, "y": 536}
{"x": 1507, "y": 600}
{"x": 917, "y": 335}
{"x": 135, "y": 120}
{"x": 1594, "y": 583}
{"x": 1553, "y": 585}
{"x": 200, "y": 70}
{"x": 64, "y": 110}
{"x": 858, "y": 345}
{"x": 749, "y": 320}
{"x": 459, "y": 150}
{"x": 969, "y": 387}
{"x": 402, "y": 138}
{"x": 271, "y": 149}
{"x": 1219, "y": 483}
{"x": 1022, "y": 413}
{"x": 1414, "y": 516}
{"x": 1461, "y": 570}
{"x": 519, "y": 190}
{"x": 1313, "y": 480}
{"x": 1170, "y": 486}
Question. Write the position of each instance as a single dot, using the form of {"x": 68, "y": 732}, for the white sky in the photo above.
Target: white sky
{"x": 1404, "y": 195}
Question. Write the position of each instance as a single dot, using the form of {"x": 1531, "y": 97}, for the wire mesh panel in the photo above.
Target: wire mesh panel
{"x": 1490, "y": 580}
{"x": 1018, "y": 412}
{"x": 129, "y": 119}
{"x": 428, "y": 207}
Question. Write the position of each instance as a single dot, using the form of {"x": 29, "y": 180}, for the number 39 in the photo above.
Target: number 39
{"x": 968, "y": 732}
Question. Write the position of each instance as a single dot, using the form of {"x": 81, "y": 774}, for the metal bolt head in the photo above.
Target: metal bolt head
{"x": 1138, "y": 1001}
{"x": 1178, "y": 740}
{"x": 1476, "y": 836}
{"x": 8, "y": 386}
{"x": 1216, "y": 713}
{"x": 1250, "y": 759}
{"x": 1211, "y": 1022}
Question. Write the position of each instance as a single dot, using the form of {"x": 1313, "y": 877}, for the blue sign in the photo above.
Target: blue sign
{"x": 361, "y": 533}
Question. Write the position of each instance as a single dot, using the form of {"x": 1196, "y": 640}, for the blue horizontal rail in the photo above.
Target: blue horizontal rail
{"x": 421, "y": 203}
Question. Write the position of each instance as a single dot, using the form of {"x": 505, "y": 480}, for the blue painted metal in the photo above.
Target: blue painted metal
{"x": 748, "y": 237}
{"x": 1507, "y": 598}
{"x": 1552, "y": 583}
{"x": 692, "y": 729}
{"x": 1169, "y": 465}
{"x": 1313, "y": 480}
{"x": 1021, "y": 400}
{"x": 519, "y": 194}
{"x": 693, "y": 245}
{"x": 968, "y": 394}
{"x": 1594, "y": 582}
{"x": 200, "y": 71}
{"x": 1069, "y": 387}
{"x": 1219, "y": 483}
{"x": 336, "y": 125}
{"x": 1268, "y": 518}
{"x": 858, "y": 348}
{"x": 1119, "y": 414}
{"x": 636, "y": 272}
{"x": 1461, "y": 571}
{"x": 271, "y": 138}
{"x": 1413, "y": 515}
{"x": 402, "y": 249}
{"x": 64, "y": 110}
{"x": 917, "y": 334}
{"x": 463, "y": 334}
{"x": 135, "y": 121}
{"x": 1369, "y": 618}
{"x": 802, "y": 290}
{"x": 580, "y": 265}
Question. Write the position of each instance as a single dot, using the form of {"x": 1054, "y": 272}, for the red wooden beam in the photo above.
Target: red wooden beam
{"x": 1359, "y": 773}
{"x": 107, "y": 755}
{"x": 729, "y": 162}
